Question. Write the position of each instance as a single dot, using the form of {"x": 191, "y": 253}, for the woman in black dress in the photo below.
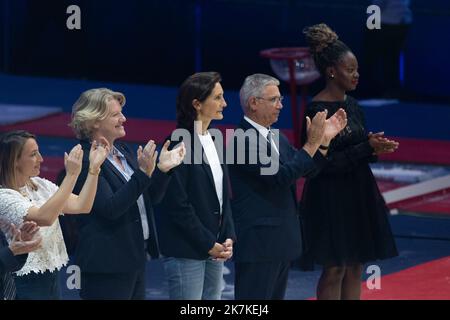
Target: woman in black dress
{"x": 345, "y": 215}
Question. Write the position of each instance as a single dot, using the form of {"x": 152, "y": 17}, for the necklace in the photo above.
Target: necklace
{"x": 24, "y": 193}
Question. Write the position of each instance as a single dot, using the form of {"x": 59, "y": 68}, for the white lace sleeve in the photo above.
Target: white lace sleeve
{"x": 46, "y": 187}
{"x": 13, "y": 208}
{"x": 52, "y": 254}
{"x": 49, "y": 186}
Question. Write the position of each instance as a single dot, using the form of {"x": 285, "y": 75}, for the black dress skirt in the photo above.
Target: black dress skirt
{"x": 345, "y": 218}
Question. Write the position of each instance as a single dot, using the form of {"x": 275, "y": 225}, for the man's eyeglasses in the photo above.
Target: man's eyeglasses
{"x": 273, "y": 100}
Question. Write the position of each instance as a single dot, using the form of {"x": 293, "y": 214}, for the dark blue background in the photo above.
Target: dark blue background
{"x": 161, "y": 42}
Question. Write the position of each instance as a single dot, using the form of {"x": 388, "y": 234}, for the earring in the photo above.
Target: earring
{"x": 332, "y": 76}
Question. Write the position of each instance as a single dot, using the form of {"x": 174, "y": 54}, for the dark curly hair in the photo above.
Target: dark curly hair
{"x": 324, "y": 45}
{"x": 198, "y": 86}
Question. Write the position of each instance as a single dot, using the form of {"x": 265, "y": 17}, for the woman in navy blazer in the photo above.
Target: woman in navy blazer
{"x": 116, "y": 237}
{"x": 196, "y": 228}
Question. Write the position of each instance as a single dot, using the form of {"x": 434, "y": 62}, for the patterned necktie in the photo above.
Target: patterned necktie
{"x": 9, "y": 287}
{"x": 271, "y": 144}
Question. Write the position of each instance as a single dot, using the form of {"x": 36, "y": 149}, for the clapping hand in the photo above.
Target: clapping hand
{"x": 315, "y": 128}
{"x": 27, "y": 230}
{"x": 73, "y": 160}
{"x": 334, "y": 125}
{"x": 380, "y": 144}
{"x": 146, "y": 157}
{"x": 171, "y": 159}
{"x": 25, "y": 239}
{"x": 98, "y": 153}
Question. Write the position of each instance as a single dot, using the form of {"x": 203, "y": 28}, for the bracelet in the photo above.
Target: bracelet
{"x": 94, "y": 172}
{"x": 322, "y": 147}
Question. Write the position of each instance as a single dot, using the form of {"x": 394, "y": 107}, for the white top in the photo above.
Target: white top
{"x": 52, "y": 254}
{"x": 214, "y": 162}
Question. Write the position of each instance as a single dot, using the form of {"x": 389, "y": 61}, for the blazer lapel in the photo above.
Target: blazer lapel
{"x": 107, "y": 165}
{"x": 130, "y": 160}
{"x": 282, "y": 146}
{"x": 245, "y": 125}
{"x": 110, "y": 167}
{"x": 198, "y": 158}
{"x": 113, "y": 168}
{"x": 208, "y": 171}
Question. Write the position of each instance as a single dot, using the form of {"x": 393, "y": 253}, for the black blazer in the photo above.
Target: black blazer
{"x": 265, "y": 208}
{"x": 190, "y": 221}
{"x": 111, "y": 236}
{"x": 8, "y": 262}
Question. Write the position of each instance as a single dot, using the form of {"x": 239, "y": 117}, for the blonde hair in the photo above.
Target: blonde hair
{"x": 91, "y": 107}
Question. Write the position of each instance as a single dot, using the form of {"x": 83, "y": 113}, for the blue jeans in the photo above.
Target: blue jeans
{"x": 38, "y": 286}
{"x": 193, "y": 279}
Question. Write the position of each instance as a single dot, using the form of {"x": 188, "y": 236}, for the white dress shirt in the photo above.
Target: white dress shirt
{"x": 263, "y": 131}
{"x": 214, "y": 162}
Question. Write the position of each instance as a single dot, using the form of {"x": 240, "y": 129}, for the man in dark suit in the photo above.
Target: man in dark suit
{"x": 14, "y": 255}
{"x": 264, "y": 204}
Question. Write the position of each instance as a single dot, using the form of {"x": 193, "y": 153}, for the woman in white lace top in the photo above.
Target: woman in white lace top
{"x": 24, "y": 196}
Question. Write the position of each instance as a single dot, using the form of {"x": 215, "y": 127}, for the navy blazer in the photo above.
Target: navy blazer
{"x": 8, "y": 261}
{"x": 190, "y": 221}
{"x": 111, "y": 237}
{"x": 265, "y": 208}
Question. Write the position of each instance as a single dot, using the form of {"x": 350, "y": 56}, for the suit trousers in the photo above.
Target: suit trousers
{"x": 113, "y": 286}
{"x": 261, "y": 280}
